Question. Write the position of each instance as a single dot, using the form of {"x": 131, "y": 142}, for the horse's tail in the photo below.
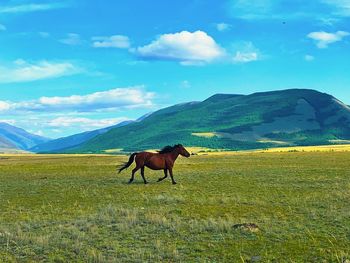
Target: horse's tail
{"x": 128, "y": 163}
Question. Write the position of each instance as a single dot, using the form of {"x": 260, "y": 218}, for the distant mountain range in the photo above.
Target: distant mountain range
{"x": 61, "y": 144}
{"x": 225, "y": 121}
{"x": 13, "y": 138}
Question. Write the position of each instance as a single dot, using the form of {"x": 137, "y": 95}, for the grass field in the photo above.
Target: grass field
{"x": 76, "y": 208}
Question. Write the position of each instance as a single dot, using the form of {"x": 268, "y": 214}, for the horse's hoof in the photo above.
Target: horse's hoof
{"x": 174, "y": 182}
{"x": 159, "y": 180}
{"x": 130, "y": 182}
{"x": 146, "y": 182}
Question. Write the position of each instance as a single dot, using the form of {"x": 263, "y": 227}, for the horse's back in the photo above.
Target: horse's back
{"x": 154, "y": 161}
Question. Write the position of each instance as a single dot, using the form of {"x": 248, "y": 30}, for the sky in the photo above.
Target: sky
{"x": 70, "y": 66}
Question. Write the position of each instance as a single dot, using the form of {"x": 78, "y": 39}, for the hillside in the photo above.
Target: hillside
{"x": 12, "y": 137}
{"x": 260, "y": 120}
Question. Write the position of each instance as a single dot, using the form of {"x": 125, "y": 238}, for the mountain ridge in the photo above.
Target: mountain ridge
{"x": 63, "y": 143}
{"x": 60, "y": 144}
{"x": 13, "y": 137}
{"x": 258, "y": 120}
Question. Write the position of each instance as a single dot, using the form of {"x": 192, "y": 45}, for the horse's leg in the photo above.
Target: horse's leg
{"x": 133, "y": 174}
{"x": 165, "y": 175}
{"x": 143, "y": 175}
{"x": 171, "y": 175}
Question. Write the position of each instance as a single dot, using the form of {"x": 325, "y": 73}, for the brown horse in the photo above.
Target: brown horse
{"x": 163, "y": 160}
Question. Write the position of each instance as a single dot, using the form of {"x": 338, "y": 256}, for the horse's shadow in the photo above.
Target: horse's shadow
{"x": 135, "y": 182}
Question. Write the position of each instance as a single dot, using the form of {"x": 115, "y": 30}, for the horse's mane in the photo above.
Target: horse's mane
{"x": 168, "y": 148}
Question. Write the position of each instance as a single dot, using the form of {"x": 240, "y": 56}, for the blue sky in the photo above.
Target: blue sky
{"x": 75, "y": 65}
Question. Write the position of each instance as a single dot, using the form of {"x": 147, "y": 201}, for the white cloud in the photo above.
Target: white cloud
{"x": 84, "y": 123}
{"x": 4, "y": 106}
{"x": 223, "y": 27}
{"x": 245, "y": 52}
{"x": 2, "y": 27}
{"x": 24, "y": 71}
{"x": 187, "y": 47}
{"x": 114, "y": 99}
{"x": 309, "y": 58}
{"x": 323, "y": 39}
{"x": 242, "y": 57}
{"x": 29, "y": 8}
{"x": 116, "y": 41}
{"x": 72, "y": 39}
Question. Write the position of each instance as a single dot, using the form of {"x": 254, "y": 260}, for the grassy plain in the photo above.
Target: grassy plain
{"x": 60, "y": 208}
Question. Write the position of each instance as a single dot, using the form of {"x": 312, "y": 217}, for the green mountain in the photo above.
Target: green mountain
{"x": 12, "y": 137}
{"x": 260, "y": 120}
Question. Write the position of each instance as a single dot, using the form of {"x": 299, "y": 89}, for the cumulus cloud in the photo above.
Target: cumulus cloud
{"x": 2, "y": 27}
{"x": 189, "y": 48}
{"x": 29, "y": 8}
{"x": 323, "y": 39}
{"x": 4, "y": 106}
{"x": 23, "y": 71}
{"x": 72, "y": 39}
{"x": 223, "y": 27}
{"x": 116, "y": 41}
{"x": 114, "y": 99}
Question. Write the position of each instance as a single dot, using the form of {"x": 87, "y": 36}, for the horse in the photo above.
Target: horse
{"x": 162, "y": 160}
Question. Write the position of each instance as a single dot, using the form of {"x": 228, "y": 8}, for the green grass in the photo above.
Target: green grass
{"x": 76, "y": 208}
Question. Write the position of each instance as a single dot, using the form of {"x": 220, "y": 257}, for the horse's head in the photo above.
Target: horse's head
{"x": 182, "y": 151}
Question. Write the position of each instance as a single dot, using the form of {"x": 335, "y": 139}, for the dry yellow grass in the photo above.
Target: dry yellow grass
{"x": 118, "y": 150}
{"x": 209, "y": 151}
{"x": 205, "y": 134}
{"x": 340, "y": 141}
{"x": 272, "y": 141}
{"x": 321, "y": 148}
